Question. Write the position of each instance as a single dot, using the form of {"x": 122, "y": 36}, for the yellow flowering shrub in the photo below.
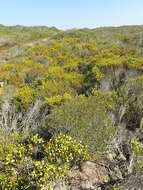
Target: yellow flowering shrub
{"x": 24, "y": 97}
{"x": 20, "y": 170}
{"x": 64, "y": 149}
{"x": 57, "y": 100}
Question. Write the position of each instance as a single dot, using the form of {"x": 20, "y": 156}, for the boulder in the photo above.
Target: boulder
{"x": 90, "y": 176}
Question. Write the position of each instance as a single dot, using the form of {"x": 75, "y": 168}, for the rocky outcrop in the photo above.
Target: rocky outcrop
{"x": 90, "y": 176}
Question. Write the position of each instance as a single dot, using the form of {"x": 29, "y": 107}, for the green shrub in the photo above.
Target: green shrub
{"x": 87, "y": 119}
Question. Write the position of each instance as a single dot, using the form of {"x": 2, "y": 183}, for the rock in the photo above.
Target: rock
{"x": 90, "y": 176}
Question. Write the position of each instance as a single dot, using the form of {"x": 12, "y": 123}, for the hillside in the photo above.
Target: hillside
{"x": 71, "y": 108}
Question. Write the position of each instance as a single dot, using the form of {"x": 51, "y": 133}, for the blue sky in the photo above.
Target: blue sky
{"x": 65, "y": 14}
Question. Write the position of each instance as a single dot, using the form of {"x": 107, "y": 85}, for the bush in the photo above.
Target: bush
{"x": 24, "y": 97}
{"x": 64, "y": 149}
{"x": 87, "y": 119}
{"x": 21, "y": 168}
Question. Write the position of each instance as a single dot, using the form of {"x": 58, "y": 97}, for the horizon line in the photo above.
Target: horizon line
{"x": 75, "y": 28}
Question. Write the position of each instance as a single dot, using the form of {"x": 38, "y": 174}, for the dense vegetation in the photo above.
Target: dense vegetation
{"x": 67, "y": 97}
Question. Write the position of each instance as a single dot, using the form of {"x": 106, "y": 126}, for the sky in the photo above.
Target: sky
{"x": 67, "y": 14}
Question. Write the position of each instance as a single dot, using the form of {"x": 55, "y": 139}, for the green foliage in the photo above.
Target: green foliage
{"x": 136, "y": 147}
{"x": 86, "y": 119}
{"x": 133, "y": 113}
{"x": 20, "y": 170}
{"x": 24, "y": 97}
{"x": 64, "y": 149}
{"x": 57, "y": 100}
{"x": 138, "y": 154}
